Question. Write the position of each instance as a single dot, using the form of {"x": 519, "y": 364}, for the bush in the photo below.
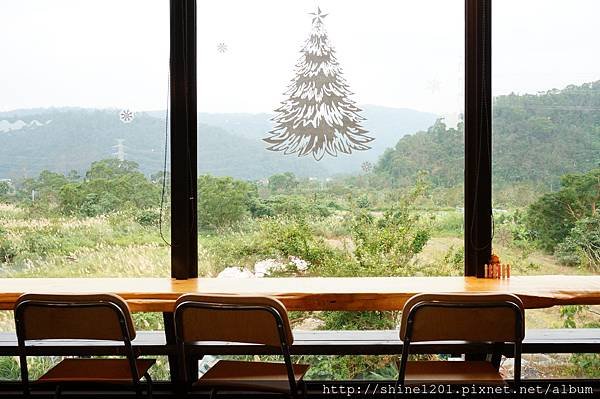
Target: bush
{"x": 582, "y": 245}
{"x": 511, "y": 230}
{"x": 43, "y": 242}
{"x": 385, "y": 246}
{"x": 374, "y": 320}
{"x": 276, "y": 237}
{"x": 363, "y": 202}
{"x": 147, "y": 217}
{"x": 8, "y": 249}
{"x": 223, "y": 201}
{"x": 292, "y": 236}
{"x": 289, "y": 205}
{"x": 588, "y": 363}
{"x": 449, "y": 223}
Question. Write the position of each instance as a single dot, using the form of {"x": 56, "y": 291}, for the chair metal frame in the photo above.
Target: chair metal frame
{"x": 463, "y": 305}
{"x": 182, "y": 345}
{"x": 27, "y": 350}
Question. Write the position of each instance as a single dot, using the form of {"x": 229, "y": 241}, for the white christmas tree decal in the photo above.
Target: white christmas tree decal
{"x": 318, "y": 116}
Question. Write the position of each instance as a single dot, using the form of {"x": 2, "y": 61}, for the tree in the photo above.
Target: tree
{"x": 111, "y": 185}
{"x": 554, "y": 215}
{"x": 283, "y": 182}
{"x": 43, "y": 190}
{"x": 222, "y": 201}
{"x": 318, "y": 116}
{"x": 110, "y": 169}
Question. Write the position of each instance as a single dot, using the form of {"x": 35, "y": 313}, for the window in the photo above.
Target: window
{"x": 82, "y": 136}
{"x": 82, "y": 133}
{"x": 370, "y": 95}
{"x": 546, "y": 147}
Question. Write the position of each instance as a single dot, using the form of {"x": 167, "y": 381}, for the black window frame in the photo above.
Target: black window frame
{"x": 478, "y": 138}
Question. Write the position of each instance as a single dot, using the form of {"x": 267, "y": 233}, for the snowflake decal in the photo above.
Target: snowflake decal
{"x": 126, "y": 116}
{"x": 222, "y": 47}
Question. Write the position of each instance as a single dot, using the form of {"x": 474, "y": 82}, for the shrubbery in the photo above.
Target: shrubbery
{"x": 568, "y": 221}
{"x": 582, "y": 246}
{"x": 223, "y": 201}
{"x": 8, "y": 251}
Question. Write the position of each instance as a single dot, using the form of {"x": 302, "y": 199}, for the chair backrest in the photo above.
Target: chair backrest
{"x": 463, "y": 317}
{"x": 90, "y": 316}
{"x": 60, "y": 316}
{"x": 232, "y": 318}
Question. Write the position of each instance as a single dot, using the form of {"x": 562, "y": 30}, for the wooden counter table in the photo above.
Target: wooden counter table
{"x": 303, "y": 293}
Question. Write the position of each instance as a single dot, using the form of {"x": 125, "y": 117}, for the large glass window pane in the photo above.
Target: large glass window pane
{"x": 82, "y": 133}
{"x": 330, "y": 143}
{"x": 546, "y": 153}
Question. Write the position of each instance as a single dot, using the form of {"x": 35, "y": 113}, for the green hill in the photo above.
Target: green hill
{"x": 536, "y": 139}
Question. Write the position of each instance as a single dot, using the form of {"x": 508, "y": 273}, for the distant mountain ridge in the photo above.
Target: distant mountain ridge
{"x": 386, "y": 125}
{"x": 228, "y": 144}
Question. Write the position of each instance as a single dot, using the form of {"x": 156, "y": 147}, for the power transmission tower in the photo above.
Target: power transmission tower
{"x": 120, "y": 150}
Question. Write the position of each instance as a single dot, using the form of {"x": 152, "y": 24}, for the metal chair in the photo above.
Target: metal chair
{"x": 483, "y": 318}
{"x": 102, "y": 317}
{"x": 241, "y": 319}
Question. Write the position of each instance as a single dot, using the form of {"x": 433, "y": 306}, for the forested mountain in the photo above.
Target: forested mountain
{"x": 385, "y": 124}
{"x": 70, "y": 139}
{"x": 542, "y": 137}
{"x": 64, "y": 139}
{"x": 438, "y": 150}
{"x": 537, "y": 138}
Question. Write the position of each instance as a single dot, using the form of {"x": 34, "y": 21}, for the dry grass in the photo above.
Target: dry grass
{"x": 149, "y": 260}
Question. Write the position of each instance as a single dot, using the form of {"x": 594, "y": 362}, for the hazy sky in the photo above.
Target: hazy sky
{"x": 398, "y": 53}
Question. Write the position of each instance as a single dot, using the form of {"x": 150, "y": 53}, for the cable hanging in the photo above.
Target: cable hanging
{"x": 164, "y": 174}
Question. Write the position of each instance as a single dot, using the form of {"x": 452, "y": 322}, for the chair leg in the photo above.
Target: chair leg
{"x": 304, "y": 390}
{"x": 300, "y": 391}
{"x": 57, "y": 391}
{"x": 26, "y": 391}
{"x": 148, "y": 385}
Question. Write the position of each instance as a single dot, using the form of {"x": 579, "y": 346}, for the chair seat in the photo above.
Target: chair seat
{"x": 95, "y": 370}
{"x": 452, "y": 372}
{"x": 259, "y": 376}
